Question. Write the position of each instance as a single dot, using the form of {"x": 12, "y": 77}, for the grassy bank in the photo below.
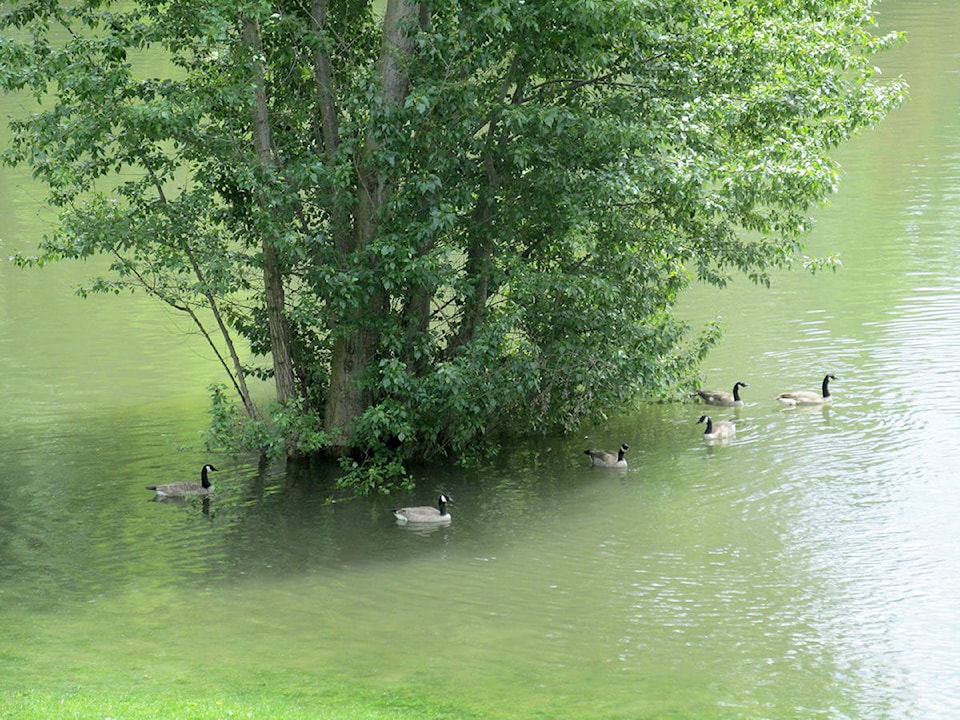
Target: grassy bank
{"x": 264, "y": 704}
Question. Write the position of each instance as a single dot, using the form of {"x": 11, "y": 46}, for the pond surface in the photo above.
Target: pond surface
{"x": 810, "y": 568}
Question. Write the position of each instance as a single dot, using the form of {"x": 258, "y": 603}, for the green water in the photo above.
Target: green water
{"x": 808, "y": 569}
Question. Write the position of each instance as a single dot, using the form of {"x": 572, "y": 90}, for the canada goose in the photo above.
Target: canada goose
{"x": 723, "y": 398}
{"x": 182, "y": 489}
{"x": 804, "y": 397}
{"x": 608, "y": 458}
{"x": 719, "y": 430}
{"x": 425, "y": 514}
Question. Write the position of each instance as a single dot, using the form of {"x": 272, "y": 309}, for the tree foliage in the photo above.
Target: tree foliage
{"x": 439, "y": 221}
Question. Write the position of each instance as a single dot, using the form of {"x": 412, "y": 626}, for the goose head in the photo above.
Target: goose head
{"x": 204, "y": 480}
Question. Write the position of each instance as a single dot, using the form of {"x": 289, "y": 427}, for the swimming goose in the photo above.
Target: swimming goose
{"x": 804, "y": 397}
{"x": 425, "y": 514}
{"x": 723, "y": 398}
{"x": 608, "y": 458}
{"x": 183, "y": 489}
{"x": 719, "y": 430}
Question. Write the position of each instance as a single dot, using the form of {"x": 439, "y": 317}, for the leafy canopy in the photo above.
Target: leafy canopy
{"x": 475, "y": 216}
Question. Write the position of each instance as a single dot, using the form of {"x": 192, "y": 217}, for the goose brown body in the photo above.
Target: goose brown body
{"x": 424, "y": 513}
{"x": 183, "y": 489}
{"x": 805, "y": 397}
{"x": 722, "y": 397}
{"x": 719, "y": 430}
{"x": 608, "y": 458}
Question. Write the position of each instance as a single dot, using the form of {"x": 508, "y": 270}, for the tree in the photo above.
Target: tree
{"x": 448, "y": 220}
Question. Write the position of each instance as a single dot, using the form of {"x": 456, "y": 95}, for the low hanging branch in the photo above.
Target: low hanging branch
{"x": 236, "y": 374}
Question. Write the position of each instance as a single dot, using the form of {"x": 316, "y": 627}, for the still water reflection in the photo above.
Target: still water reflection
{"x": 810, "y": 568}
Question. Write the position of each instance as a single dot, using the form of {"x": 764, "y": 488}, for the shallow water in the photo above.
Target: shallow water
{"x": 810, "y": 568}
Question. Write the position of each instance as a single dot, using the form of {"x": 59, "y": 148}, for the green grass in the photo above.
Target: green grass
{"x": 263, "y": 704}
{"x": 269, "y": 705}
{"x": 100, "y": 691}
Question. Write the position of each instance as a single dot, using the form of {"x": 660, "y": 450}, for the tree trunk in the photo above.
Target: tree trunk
{"x": 273, "y": 291}
{"x": 479, "y": 265}
{"x": 416, "y": 326}
{"x": 326, "y": 91}
{"x": 356, "y": 341}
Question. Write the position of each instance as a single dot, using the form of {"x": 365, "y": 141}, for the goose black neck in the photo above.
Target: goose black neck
{"x": 204, "y": 480}
{"x": 443, "y": 508}
{"x": 620, "y": 455}
{"x": 825, "y": 390}
{"x": 709, "y": 428}
{"x": 736, "y": 392}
